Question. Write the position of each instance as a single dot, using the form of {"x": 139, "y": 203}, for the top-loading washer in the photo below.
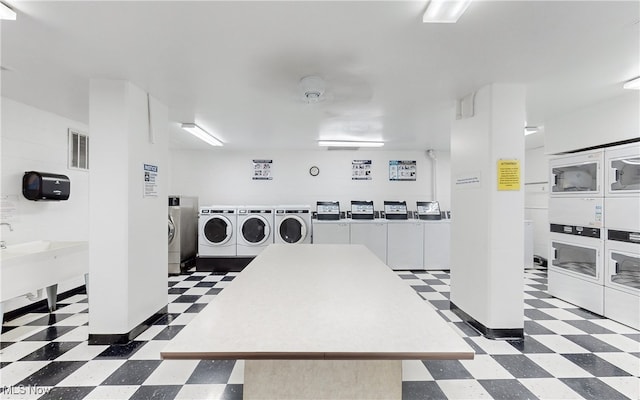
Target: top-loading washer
{"x": 216, "y": 231}
{"x": 437, "y": 236}
{"x": 405, "y": 238}
{"x": 255, "y": 229}
{"x": 366, "y": 229}
{"x": 292, "y": 224}
{"x": 330, "y": 227}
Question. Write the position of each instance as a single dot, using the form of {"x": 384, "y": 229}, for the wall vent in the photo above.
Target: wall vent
{"x": 78, "y": 150}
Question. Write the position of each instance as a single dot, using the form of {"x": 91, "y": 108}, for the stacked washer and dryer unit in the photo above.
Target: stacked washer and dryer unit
{"x": 594, "y": 220}
{"x": 622, "y": 225}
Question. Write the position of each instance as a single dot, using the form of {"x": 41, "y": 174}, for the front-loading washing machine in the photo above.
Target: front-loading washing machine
{"x": 255, "y": 230}
{"x": 292, "y": 224}
{"x": 217, "y": 231}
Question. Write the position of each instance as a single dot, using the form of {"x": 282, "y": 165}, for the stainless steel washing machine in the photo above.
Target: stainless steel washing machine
{"x": 183, "y": 232}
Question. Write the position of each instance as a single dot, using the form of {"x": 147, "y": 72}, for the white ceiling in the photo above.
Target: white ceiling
{"x": 233, "y": 67}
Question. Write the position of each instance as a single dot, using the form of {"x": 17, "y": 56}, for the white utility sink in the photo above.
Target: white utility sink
{"x": 29, "y": 266}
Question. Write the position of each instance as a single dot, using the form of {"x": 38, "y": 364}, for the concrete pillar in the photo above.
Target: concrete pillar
{"x": 487, "y": 231}
{"x": 127, "y": 216}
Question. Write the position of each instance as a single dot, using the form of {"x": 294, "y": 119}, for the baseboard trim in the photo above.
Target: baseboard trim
{"x": 124, "y": 338}
{"x": 489, "y": 333}
{"x": 222, "y": 264}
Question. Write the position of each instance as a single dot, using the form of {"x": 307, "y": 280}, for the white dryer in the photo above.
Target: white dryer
{"x": 255, "y": 229}
{"x": 293, "y": 224}
{"x": 216, "y": 231}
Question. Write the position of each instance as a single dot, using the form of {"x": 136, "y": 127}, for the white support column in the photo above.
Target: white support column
{"x": 487, "y": 232}
{"x": 127, "y": 231}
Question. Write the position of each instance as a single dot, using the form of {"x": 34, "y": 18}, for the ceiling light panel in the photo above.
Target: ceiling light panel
{"x": 201, "y": 134}
{"x": 6, "y": 12}
{"x": 445, "y": 11}
{"x": 348, "y": 143}
{"x": 632, "y": 84}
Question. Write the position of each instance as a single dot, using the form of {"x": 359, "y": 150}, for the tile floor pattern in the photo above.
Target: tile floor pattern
{"x": 568, "y": 353}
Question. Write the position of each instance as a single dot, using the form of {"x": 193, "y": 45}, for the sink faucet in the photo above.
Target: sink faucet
{"x": 3, "y": 245}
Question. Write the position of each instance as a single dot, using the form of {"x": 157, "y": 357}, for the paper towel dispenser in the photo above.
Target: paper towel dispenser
{"x": 45, "y": 186}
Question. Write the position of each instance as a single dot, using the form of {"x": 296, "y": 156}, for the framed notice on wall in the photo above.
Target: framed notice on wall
{"x": 361, "y": 170}
{"x": 262, "y": 170}
{"x": 402, "y": 170}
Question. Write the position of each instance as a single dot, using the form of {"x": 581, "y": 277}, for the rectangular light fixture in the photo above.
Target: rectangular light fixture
{"x": 201, "y": 134}
{"x": 6, "y": 12}
{"x": 632, "y": 84}
{"x": 348, "y": 143}
{"x": 445, "y": 11}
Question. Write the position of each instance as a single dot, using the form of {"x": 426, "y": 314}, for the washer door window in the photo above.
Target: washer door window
{"x": 172, "y": 230}
{"x": 255, "y": 230}
{"x": 217, "y": 230}
{"x": 292, "y": 229}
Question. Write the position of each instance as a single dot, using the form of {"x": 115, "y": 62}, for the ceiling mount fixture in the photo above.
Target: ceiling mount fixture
{"x": 312, "y": 88}
{"x": 445, "y": 11}
{"x": 348, "y": 143}
{"x": 632, "y": 84}
{"x": 6, "y": 12}
{"x": 529, "y": 130}
{"x": 201, "y": 134}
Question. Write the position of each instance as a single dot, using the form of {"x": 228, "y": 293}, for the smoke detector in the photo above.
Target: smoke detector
{"x": 312, "y": 88}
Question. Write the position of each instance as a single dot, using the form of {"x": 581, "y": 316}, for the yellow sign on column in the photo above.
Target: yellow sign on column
{"x": 508, "y": 174}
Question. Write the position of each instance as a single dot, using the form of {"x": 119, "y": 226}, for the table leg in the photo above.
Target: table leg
{"x": 52, "y": 296}
{"x": 322, "y": 379}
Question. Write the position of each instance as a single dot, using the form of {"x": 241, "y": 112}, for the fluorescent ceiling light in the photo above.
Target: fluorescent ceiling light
{"x": 445, "y": 11}
{"x": 7, "y": 13}
{"x": 528, "y": 130}
{"x": 632, "y": 84}
{"x": 201, "y": 134}
{"x": 348, "y": 143}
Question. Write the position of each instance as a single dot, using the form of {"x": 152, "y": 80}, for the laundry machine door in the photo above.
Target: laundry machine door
{"x": 172, "y": 231}
{"x": 292, "y": 229}
{"x": 255, "y": 230}
{"x": 218, "y": 230}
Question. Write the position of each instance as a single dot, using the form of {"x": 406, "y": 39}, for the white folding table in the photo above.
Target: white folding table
{"x": 319, "y": 321}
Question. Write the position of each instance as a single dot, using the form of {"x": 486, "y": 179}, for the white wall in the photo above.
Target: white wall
{"x": 224, "y": 177}
{"x": 487, "y": 235}
{"x": 605, "y": 122}
{"x": 128, "y": 242}
{"x": 36, "y": 140}
{"x": 536, "y": 199}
